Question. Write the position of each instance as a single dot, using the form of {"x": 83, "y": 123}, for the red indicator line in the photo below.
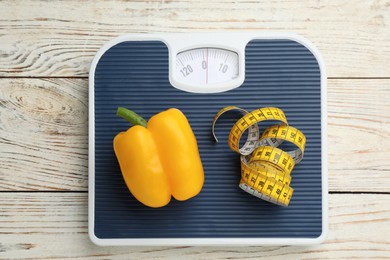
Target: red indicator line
{"x": 207, "y": 65}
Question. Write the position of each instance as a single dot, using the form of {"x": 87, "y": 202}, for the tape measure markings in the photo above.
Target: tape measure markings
{"x": 266, "y": 153}
{"x": 265, "y": 169}
{"x": 248, "y": 172}
{"x": 285, "y": 133}
{"x": 249, "y": 122}
{"x": 220, "y": 113}
{"x": 270, "y": 171}
{"x": 266, "y": 185}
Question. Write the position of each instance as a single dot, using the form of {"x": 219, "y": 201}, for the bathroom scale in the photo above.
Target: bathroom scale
{"x": 201, "y": 73}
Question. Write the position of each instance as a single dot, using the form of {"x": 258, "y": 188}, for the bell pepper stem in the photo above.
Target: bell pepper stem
{"x": 131, "y": 116}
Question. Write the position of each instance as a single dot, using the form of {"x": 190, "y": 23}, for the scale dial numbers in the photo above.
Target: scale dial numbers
{"x": 206, "y": 66}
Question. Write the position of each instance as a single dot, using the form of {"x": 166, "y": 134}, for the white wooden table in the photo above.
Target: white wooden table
{"x": 46, "y": 48}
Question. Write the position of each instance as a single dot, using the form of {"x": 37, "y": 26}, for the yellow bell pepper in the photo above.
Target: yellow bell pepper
{"x": 159, "y": 158}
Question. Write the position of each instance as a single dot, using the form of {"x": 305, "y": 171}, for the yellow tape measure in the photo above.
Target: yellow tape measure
{"x": 265, "y": 169}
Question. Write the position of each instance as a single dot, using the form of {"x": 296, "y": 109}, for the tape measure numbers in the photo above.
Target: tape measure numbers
{"x": 265, "y": 169}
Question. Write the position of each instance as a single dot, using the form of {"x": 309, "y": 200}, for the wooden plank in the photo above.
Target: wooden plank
{"x": 44, "y": 134}
{"x": 54, "y": 226}
{"x": 60, "y": 38}
{"x": 359, "y": 135}
{"x": 53, "y": 154}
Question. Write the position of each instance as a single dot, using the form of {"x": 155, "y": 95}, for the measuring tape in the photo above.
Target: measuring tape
{"x": 265, "y": 169}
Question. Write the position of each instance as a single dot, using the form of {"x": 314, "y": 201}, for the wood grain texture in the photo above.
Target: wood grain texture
{"x": 53, "y": 153}
{"x": 359, "y": 135}
{"x": 54, "y": 226}
{"x": 43, "y": 134}
{"x": 44, "y": 119}
{"x": 60, "y": 38}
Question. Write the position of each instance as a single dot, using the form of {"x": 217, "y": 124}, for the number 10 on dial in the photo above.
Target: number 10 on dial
{"x": 206, "y": 66}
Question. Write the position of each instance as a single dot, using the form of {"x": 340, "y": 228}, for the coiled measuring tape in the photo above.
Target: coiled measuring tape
{"x": 265, "y": 169}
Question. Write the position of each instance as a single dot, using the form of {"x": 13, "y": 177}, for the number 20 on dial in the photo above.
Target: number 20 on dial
{"x": 206, "y": 66}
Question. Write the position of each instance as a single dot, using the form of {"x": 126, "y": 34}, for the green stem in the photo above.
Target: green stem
{"x": 131, "y": 116}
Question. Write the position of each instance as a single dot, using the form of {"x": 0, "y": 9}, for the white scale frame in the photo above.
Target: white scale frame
{"x": 177, "y": 43}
